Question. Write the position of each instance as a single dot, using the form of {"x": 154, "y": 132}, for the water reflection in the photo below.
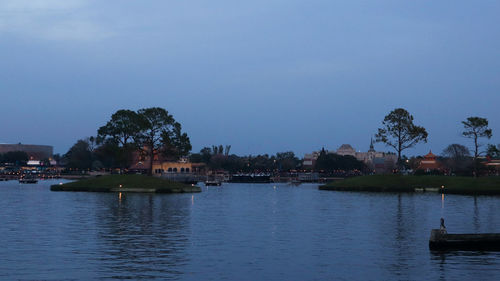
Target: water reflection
{"x": 142, "y": 236}
{"x": 475, "y": 218}
{"x": 239, "y": 232}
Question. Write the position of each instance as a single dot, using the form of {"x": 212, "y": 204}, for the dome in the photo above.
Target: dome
{"x": 346, "y": 147}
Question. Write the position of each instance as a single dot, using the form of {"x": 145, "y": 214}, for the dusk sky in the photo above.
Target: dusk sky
{"x": 262, "y": 76}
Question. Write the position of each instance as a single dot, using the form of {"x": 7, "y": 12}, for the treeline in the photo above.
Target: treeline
{"x": 331, "y": 162}
{"x": 18, "y": 158}
{"x": 219, "y": 158}
{"x": 399, "y": 132}
{"x": 456, "y": 159}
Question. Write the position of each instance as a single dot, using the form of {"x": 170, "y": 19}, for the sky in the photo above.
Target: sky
{"x": 261, "y": 76}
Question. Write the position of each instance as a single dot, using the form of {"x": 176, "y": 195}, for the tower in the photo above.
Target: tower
{"x": 371, "y": 146}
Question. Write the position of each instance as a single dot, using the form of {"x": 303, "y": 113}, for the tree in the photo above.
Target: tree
{"x": 458, "y": 158}
{"x": 111, "y": 155}
{"x": 330, "y": 162}
{"x": 475, "y": 128}
{"x": 124, "y": 126}
{"x": 18, "y": 158}
{"x": 206, "y": 154}
{"x": 79, "y": 156}
{"x": 160, "y": 133}
{"x": 493, "y": 151}
{"x": 286, "y": 161}
{"x": 175, "y": 143}
{"x": 399, "y": 132}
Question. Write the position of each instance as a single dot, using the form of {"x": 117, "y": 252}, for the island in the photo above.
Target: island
{"x": 126, "y": 183}
{"x": 411, "y": 183}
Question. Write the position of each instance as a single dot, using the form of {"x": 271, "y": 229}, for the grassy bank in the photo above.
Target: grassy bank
{"x": 126, "y": 183}
{"x": 400, "y": 183}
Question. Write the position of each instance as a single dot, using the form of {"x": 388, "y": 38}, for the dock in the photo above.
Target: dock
{"x": 441, "y": 240}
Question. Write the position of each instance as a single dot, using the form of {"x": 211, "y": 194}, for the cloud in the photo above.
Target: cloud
{"x": 68, "y": 20}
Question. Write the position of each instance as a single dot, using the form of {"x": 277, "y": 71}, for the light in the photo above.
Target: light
{"x": 120, "y": 187}
{"x": 442, "y": 187}
{"x": 60, "y": 183}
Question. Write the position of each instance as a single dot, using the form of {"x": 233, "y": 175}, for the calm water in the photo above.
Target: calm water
{"x": 238, "y": 232}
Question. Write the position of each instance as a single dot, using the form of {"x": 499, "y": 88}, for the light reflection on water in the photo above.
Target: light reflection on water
{"x": 238, "y": 232}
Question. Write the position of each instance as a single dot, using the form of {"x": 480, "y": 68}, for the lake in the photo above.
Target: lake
{"x": 239, "y": 232}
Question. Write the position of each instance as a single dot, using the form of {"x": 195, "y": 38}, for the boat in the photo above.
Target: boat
{"x": 441, "y": 240}
{"x": 28, "y": 180}
{"x": 213, "y": 183}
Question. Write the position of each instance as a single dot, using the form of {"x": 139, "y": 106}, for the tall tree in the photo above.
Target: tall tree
{"x": 175, "y": 143}
{"x": 399, "y": 132}
{"x": 475, "y": 128}
{"x": 160, "y": 133}
{"x": 124, "y": 126}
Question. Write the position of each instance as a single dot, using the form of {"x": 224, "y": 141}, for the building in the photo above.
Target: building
{"x": 309, "y": 160}
{"x": 346, "y": 149}
{"x": 164, "y": 165}
{"x": 429, "y": 163}
{"x": 493, "y": 166}
{"x": 35, "y": 152}
{"x": 379, "y": 162}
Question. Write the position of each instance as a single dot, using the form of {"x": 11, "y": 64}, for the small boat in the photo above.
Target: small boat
{"x": 213, "y": 183}
{"x": 295, "y": 182}
{"x": 440, "y": 240}
{"x": 28, "y": 180}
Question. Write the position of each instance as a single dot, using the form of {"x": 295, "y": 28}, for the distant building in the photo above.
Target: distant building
{"x": 493, "y": 165}
{"x": 309, "y": 160}
{"x": 379, "y": 162}
{"x": 429, "y": 163}
{"x": 35, "y": 152}
{"x": 346, "y": 149}
{"x": 164, "y": 165}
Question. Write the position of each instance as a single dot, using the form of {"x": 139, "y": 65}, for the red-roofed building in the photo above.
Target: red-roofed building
{"x": 429, "y": 163}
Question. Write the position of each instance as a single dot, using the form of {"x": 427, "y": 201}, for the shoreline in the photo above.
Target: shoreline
{"x": 409, "y": 184}
{"x": 126, "y": 183}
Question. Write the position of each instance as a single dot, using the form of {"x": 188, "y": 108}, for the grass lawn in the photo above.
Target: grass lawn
{"x": 401, "y": 183}
{"x": 126, "y": 183}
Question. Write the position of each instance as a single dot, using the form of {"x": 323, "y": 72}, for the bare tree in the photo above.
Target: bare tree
{"x": 458, "y": 158}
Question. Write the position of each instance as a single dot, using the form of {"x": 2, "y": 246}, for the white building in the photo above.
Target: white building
{"x": 379, "y": 162}
{"x": 376, "y": 160}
